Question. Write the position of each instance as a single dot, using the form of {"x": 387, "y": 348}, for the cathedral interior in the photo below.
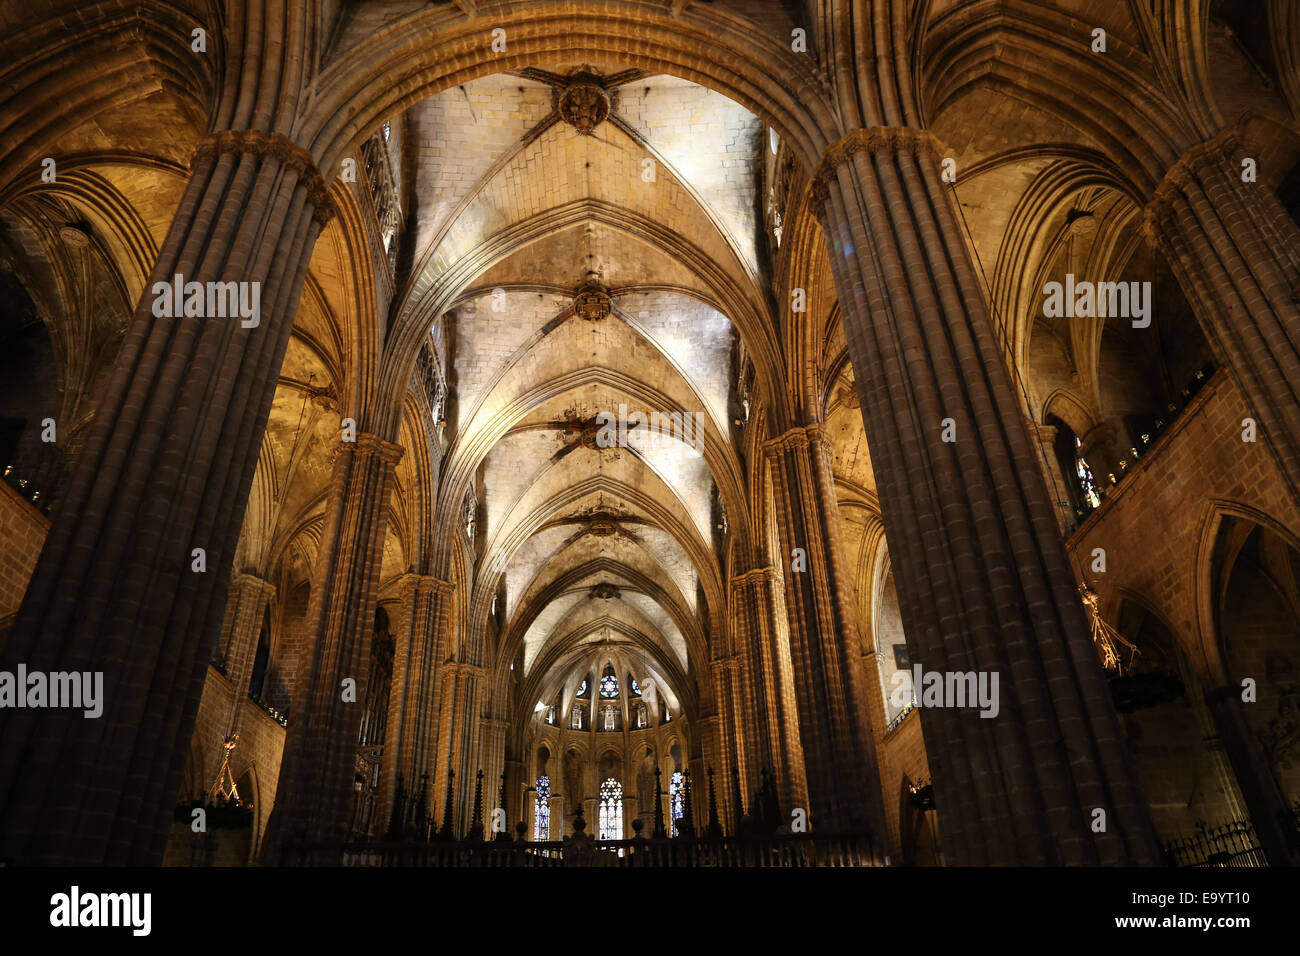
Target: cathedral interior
{"x": 680, "y": 432}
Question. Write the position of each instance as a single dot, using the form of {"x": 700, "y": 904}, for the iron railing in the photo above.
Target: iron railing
{"x": 796, "y": 850}
{"x": 1232, "y": 844}
{"x": 898, "y": 719}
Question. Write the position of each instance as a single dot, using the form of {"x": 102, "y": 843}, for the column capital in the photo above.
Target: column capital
{"x": 872, "y": 140}
{"x": 249, "y": 580}
{"x": 280, "y": 148}
{"x": 423, "y": 584}
{"x": 801, "y": 436}
{"x": 378, "y": 447}
{"x": 1040, "y": 428}
{"x": 1217, "y": 149}
{"x": 791, "y": 440}
{"x": 768, "y": 574}
{"x": 731, "y": 662}
{"x": 453, "y": 669}
{"x": 371, "y": 446}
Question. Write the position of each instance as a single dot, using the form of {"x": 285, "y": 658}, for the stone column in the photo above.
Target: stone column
{"x": 166, "y": 469}
{"x": 771, "y": 731}
{"x": 1044, "y": 441}
{"x": 409, "y": 740}
{"x": 983, "y": 580}
{"x": 492, "y": 758}
{"x": 314, "y": 797}
{"x": 1236, "y": 253}
{"x": 832, "y": 688}
{"x": 458, "y": 724}
{"x": 713, "y": 755}
{"x": 245, "y": 610}
{"x": 1212, "y": 740}
{"x": 1269, "y": 812}
{"x": 888, "y": 845}
{"x": 516, "y": 808}
{"x": 729, "y": 749}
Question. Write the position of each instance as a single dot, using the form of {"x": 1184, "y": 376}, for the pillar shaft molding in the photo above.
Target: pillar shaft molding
{"x": 771, "y": 721}
{"x": 1236, "y": 253}
{"x": 166, "y": 468}
{"x": 314, "y": 797}
{"x": 279, "y": 148}
{"x": 411, "y": 733}
{"x": 833, "y": 687}
{"x": 984, "y": 583}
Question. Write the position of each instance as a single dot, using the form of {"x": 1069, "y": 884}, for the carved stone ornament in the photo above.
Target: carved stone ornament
{"x": 592, "y": 303}
{"x": 584, "y": 104}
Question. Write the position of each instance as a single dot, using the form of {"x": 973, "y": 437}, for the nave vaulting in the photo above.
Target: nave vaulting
{"x": 862, "y": 428}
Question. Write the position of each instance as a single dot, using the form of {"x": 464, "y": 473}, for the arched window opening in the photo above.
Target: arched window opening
{"x": 30, "y": 374}
{"x": 611, "y": 810}
{"x": 383, "y": 647}
{"x": 893, "y": 663}
{"x": 1087, "y": 485}
{"x": 579, "y": 719}
{"x": 609, "y": 718}
{"x": 608, "y": 684}
{"x": 257, "y": 683}
{"x": 1256, "y": 577}
{"x": 1163, "y": 716}
{"x": 1076, "y": 474}
{"x": 676, "y": 799}
{"x": 542, "y": 810}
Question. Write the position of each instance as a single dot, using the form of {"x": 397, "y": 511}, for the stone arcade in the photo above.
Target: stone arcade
{"x": 429, "y": 601}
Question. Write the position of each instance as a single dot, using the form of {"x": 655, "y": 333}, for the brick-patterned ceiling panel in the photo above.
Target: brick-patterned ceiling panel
{"x": 511, "y": 211}
{"x": 558, "y": 494}
{"x": 565, "y": 259}
{"x": 580, "y": 556}
{"x": 557, "y": 176}
{"x": 458, "y": 135}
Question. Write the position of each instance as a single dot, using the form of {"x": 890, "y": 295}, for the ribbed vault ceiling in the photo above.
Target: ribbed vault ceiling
{"x": 594, "y": 551}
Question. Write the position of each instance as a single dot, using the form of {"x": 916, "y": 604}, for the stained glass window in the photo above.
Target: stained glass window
{"x": 636, "y": 688}
{"x": 388, "y": 131}
{"x": 542, "y": 812}
{"x": 1086, "y": 481}
{"x": 582, "y": 688}
{"x": 611, "y": 810}
{"x": 676, "y": 798}
{"x": 609, "y": 685}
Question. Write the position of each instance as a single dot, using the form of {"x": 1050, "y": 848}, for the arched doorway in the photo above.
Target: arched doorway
{"x": 1187, "y": 779}
{"x": 1251, "y": 599}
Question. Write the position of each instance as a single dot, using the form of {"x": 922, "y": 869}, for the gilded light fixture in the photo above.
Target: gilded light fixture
{"x": 1104, "y": 636}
